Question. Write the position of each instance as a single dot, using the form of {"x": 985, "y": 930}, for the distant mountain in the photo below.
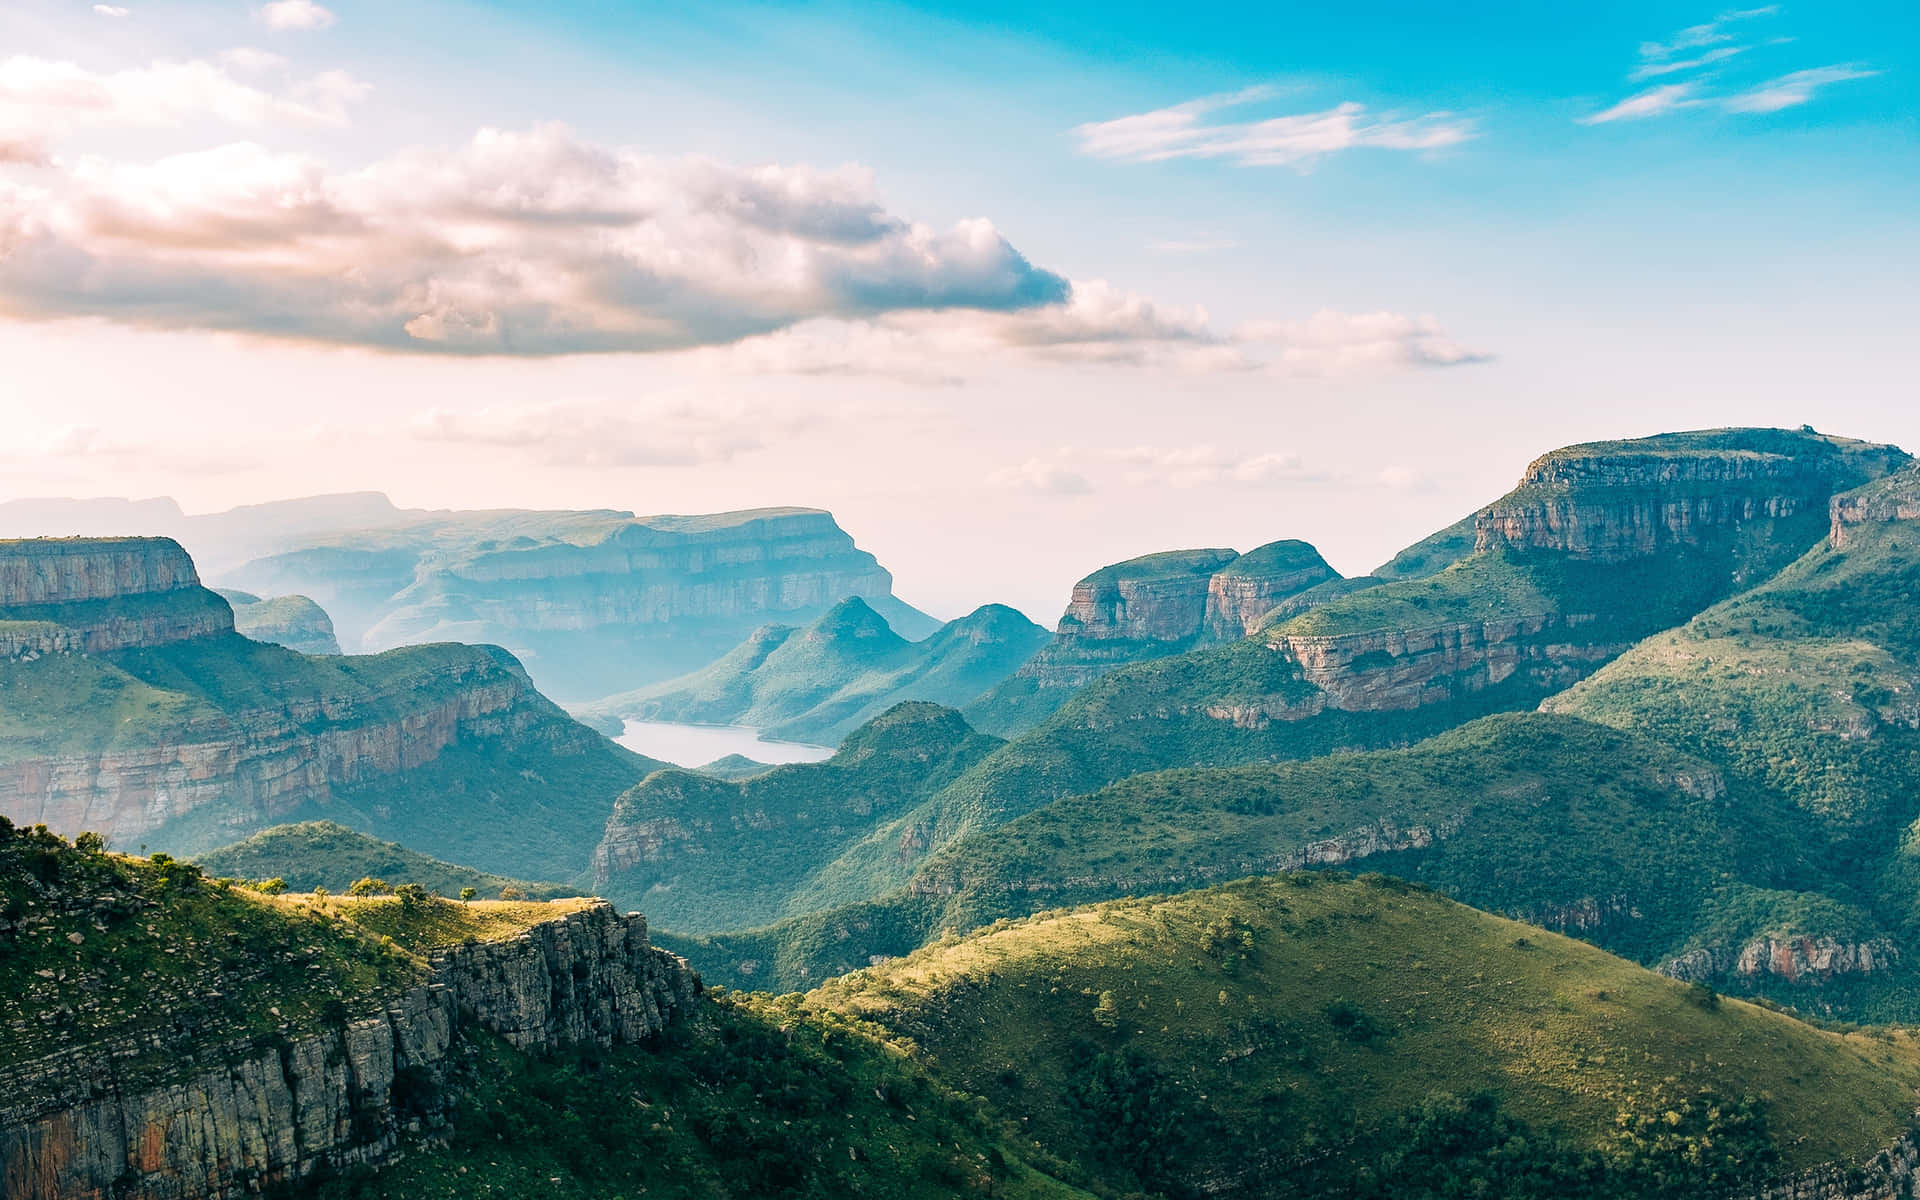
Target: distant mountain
{"x": 1599, "y": 546}
{"x": 819, "y": 683}
{"x": 701, "y": 853}
{"x": 295, "y": 622}
{"x": 592, "y": 602}
{"x": 326, "y": 854}
{"x": 134, "y": 710}
{"x": 1144, "y": 608}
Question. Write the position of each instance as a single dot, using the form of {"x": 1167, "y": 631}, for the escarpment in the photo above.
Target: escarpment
{"x": 233, "y": 1113}
{"x": 1145, "y": 608}
{"x": 595, "y": 602}
{"x": 98, "y": 595}
{"x": 134, "y": 710}
{"x": 295, "y": 622}
{"x": 1894, "y": 498}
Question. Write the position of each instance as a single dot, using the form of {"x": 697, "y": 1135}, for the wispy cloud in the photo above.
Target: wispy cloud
{"x": 296, "y": 15}
{"x": 1790, "y": 90}
{"x": 42, "y": 99}
{"x": 1704, "y": 52}
{"x": 1296, "y": 140}
{"x": 1041, "y": 476}
{"x": 111, "y": 10}
{"x": 1654, "y": 102}
{"x": 1335, "y": 342}
{"x": 1080, "y": 470}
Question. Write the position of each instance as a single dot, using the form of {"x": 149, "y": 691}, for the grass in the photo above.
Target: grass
{"x": 329, "y": 855}
{"x": 1289, "y": 1025}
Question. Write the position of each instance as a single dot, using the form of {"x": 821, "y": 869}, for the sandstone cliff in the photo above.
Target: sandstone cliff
{"x": 98, "y": 595}
{"x": 134, "y": 710}
{"x": 594, "y": 602}
{"x": 1145, "y": 608}
{"x": 1895, "y": 498}
{"x": 236, "y": 1116}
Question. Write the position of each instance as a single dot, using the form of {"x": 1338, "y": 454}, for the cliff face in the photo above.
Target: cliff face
{"x": 594, "y": 602}
{"x": 266, "y": 762}
{"x": 1146, "y": 608}
{"x": 1895, "y": 498}
{"x": 98, "y": 595}
{"x": 242, "y": 1116}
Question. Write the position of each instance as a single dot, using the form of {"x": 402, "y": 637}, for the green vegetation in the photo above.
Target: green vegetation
{"x": 291, "y": 621}
{"x": 1431, "y": 554}
{"x": 329, "y": 855}
{"x": 751, "y": 1098}
{"x": 1299, "y": 1030}
{"x": 820, "y": 683}
{"x": 700, "y": 853}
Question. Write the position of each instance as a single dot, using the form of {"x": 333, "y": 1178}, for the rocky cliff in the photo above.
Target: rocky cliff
{"x": 1895, "y": 498}
{"x": 1145, "y": 608}
{"x": 135, "y": 711}
{"x": 98, "y": 595}
{"x": 594, "y": 602}
{"x": 236, "y": 1115}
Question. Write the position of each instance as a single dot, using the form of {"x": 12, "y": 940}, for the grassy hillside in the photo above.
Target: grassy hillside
{"x": 736, "y": 1100}
{"x": 1560, "y": 822}
{"x": 700, "y": 853}
{"x": 819, "y": 683}
{"x": 329, "y": 855}
{"x": 1309, "y": 1035}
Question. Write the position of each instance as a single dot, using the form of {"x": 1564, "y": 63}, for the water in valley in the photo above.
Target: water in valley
{"x": 698, "y": 745}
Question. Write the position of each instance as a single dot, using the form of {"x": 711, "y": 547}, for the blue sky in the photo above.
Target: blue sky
{"x": 1014, "y": 292}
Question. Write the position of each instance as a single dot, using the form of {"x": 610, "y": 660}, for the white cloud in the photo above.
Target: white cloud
{"x": 296, "y": 15}
{"x": 1335, "y": 342}
{"x": 1653, "y": 102}
{"x": 1041, "y": 476}
{"x": 1720, "y": 54}
{"x": 517, "y": 243}
{"x": 1298, "y": 140}
{"x": 111, "y": 10}
{"x": 251, "y": 59}
{"x": 1790, "y": 90}
{"x": 45, "y": 98}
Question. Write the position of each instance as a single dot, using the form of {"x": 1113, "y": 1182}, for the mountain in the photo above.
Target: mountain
{"x": 1313, "y": 1036}
{"x": 295, "y": 622}
{"x": 1804, "y": 690}
{"x": 1144, "y": 608}
{"x": 130, "y": 707}
{"x": 1600, "y": 546}
{"x": 703, "y": 853}
{"x": 819, "y": 683}
{"x": 325, "y": 854}
{"x": 167, "y": 1035}
{"x": 595, "y": 603}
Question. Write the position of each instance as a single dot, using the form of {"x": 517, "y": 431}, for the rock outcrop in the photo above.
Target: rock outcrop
{"x": 1145, "y": 608}
{"x": 295, "y": 622}
{"x": 1895, "y": 498}
{"x": 98, "y": 595}
{"x": 1796, "y": 959}
{"x": 237, "y": 1117}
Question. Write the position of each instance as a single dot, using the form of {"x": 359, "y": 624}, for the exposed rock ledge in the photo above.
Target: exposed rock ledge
{"x": 1795, "y": 959}
{"x": 242, "y": 1117}
{"x": 98, "y": 595}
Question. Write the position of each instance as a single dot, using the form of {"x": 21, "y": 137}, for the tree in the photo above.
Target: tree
{"x": 90, "y": 843}
{"x": 369, "y": 886}
{"x": 467, "y": 893}
{"x": 412, "y": 895}
{"x": 1106, "y": 1013}
{"x": 511, "y": 892}
{"x": 271, "y": 887}
{"x": 320, "y": 892}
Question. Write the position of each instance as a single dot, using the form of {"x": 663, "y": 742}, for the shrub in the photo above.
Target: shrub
{"x": 467, "y": 893}
{"x": 369, "y": 886}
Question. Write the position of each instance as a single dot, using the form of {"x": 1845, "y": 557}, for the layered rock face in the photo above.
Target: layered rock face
{"x": 1723, "y": 507}
{"x": 594, "y": 602}
{"x": 1800, "y": 959}
{"x": 115, "y": 742}
{"x": 1895, "y": 498}
{"x": 265, "y": 763}
{"x": 98, "y": 595}
{"x": 239, "y": 1117}
{"x": 1145, "y": 608}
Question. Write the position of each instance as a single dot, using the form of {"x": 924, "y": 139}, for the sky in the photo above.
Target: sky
{"x": 1015, "y": 291}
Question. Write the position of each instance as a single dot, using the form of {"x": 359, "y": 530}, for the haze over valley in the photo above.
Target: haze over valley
{"x": 1103, "y": 603}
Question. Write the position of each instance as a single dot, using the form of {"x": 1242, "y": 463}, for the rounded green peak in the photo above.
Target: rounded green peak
{"x": 1164, "y": 564}
{"x": 1289, "y": 554}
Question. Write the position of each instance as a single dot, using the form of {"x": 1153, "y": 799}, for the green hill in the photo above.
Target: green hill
{"x": 1598, "y": 547}
{"x": 295, "y": 622}
{"x": 174, "y": 979}
{"x": 323, "y": 854}
{"x": 1309, "y": 1035}
{"x": 819, "y": 683}
{"x": 701, "y": 853}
